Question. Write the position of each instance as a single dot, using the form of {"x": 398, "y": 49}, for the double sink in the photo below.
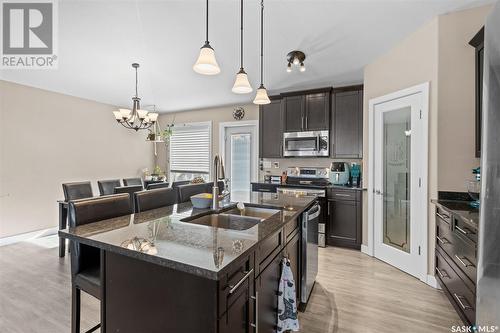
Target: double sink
{"x": 234, "y": 218}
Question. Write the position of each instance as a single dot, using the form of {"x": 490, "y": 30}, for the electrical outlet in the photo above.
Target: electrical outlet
{"x": 276, "y": 165}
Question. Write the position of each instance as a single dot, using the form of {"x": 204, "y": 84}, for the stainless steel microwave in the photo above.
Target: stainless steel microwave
{"x": 315, "y": 143}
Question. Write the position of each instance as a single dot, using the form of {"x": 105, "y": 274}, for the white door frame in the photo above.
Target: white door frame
{"x": 422, "y": 202}
{"x": 241, "y": 123}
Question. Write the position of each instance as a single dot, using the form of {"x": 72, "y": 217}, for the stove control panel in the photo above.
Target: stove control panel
{"x": 308, "y": 172}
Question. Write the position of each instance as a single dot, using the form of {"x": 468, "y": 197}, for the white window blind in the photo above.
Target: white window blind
{"x": 190, "y": 148}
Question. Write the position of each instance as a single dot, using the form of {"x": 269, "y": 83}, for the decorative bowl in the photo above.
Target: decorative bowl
{"x": 201, "y": 200}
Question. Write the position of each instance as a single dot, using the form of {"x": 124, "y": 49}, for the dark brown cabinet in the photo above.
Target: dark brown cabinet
{"x": 307, "y": 110}
{"x": 293, "y": 111}
{"x": 344, "y": 218}
{"x": 347, "y": 123}
{"x": 292, "y": 251}
{"x": 266, "y": 287}
{"x": 239, "y": 317}
{"x": 270, "y": 129}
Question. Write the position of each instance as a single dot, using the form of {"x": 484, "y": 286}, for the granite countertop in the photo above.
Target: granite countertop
{"x": 461, "y": 209}
{"x": 193, "y": 248}
{"x": 314, "y": 186}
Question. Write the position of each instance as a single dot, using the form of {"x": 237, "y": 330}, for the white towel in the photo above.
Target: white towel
{"x": 287, "y": 305}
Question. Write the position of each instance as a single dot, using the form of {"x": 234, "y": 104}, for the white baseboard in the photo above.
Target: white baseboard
{"x": 27, "y": 236}
{"x": 366, "y": 250}
{"x": 431, "y": 281}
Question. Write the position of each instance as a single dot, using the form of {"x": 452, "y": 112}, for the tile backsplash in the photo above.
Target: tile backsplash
{"x": 276, "y": 166}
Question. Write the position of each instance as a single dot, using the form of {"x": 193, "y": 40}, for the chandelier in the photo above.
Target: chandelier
{"x": 136, "y": 118}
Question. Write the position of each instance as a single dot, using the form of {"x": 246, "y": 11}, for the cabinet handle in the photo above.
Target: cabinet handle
{"x": 442, "y": 240}
{"x": 264, "y": 190}
{"x": 233, "y": 288}
{"x": 342, "y": 195}
{"x": 302, "y": 122}
{"x": 256, "y": 324}
{"x": 464, "y": 231}
{"x": 306, "y": 121}
{"x": 443, "y": 276}
{"x": 443, "y": 217}
{"x": 462, "y": 261}
{"x": 462, "y": 305}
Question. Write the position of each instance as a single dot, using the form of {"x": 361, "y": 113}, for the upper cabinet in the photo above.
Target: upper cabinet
{"x": 478, "y": 43}
{"x": 293, "y": 107}
{"x": 270, "y": 129}
{"x": 347, "y": 123}
{"x": 306, "y": 111}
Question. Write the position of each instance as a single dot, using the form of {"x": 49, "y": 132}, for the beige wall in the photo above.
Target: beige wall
{"x": 215, "y": 115}
{"x": 48, "y": 139}
{"x": 456, "y": 104}
{"x": 417, "y": 59}
{"x": 413, "y": 61}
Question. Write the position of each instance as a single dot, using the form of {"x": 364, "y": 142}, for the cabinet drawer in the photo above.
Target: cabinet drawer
{"x": 268, "y": 249}
{"x": 444, "y": 215}
{"x": 465, "y": 230}
{"x": 461, "y": 296}
{"x": 444, "y": 237}
{"x": 291, "y": 228}
{"x": 464, "y": 255}
{"x": 235, "y": 281}
{"x": 338, "y": 194}
{"x": 260, "y": 187}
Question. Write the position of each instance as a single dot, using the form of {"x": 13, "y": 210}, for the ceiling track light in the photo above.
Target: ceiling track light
{"x": 261, "y": 97}
{"x": 297, "y": 59}
{"x": 206, "y": 63}
{"x": 136, "y": 118}
{"x": 241, "y": 84}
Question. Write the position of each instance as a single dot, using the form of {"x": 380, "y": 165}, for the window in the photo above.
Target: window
{"x": 190, "y": 151}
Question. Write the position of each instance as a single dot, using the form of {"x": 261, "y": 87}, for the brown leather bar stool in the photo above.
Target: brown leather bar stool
{"x": 156, "y": 185}
{"x": 86, "y": 272}
{"x": 107, "y": 187}
{"x": 187, "y": 191}
{"x": 175, "y": 186}
{"x": 71, "y": 191}
{"x": 156, "y": 198}
{"x": 131, "y": 189}
{"x": 132, "y": 181}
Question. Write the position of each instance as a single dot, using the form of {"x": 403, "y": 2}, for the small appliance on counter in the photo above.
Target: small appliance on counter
{"x": 339, "y": 173}
{"x": 272, "y": 179}
{"x": 356, "y": 175}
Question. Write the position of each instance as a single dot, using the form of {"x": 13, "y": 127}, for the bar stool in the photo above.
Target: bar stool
{"x": 131, "y": 189}
{"x": 86, "y": 272}
{"x": 156, "y": 198}
{"x": 107, "y": 187}
{"x": 132, "y": 181}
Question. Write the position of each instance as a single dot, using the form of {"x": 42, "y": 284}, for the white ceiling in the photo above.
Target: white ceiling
{"x": 98, "y": 41}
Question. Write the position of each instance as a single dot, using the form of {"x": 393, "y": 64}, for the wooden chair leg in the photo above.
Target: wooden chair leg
{"x": 75, "y": 310}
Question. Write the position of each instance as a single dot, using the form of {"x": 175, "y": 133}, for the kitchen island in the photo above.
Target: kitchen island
{"x": 167, "y": 270}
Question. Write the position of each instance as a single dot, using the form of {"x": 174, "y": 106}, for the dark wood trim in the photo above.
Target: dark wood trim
{"x": 478, "y": 39}
{"x": 478, "y": 43}
{"x": 347, "y": 88}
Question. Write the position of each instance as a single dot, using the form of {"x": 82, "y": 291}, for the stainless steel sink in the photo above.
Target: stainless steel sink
{"x": 256, "y": 212}
{"x": 234, "y": 218}
{"x": 226, "y": 221}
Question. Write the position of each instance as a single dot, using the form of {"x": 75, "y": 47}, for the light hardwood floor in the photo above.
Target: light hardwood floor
{"x": 354, "y": 293}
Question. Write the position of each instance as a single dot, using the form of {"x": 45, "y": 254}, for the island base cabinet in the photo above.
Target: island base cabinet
{"x": 239, "y": 317}
{"x": 141, "y": 296}
{"x": 266, "y": 287}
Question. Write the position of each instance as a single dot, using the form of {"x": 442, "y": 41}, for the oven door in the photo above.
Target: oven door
{"x": 304, "y": 144}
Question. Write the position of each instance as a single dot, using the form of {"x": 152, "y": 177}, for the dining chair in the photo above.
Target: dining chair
{"x": 132, "y": 181}
{"x": 107, "y": 187}
{"x": 187, "y": 191}
{"x": 155, "y": 198}
{"x": 77, "y": 190}
{"x": 157, "y": 185}
{"x": 86, "y": 271}
{"x": 175, "y": 186}
{"x": 131, "y": 189}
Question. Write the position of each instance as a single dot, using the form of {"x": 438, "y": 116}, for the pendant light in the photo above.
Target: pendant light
{"x": 241, "y": 84}
{"x": 261, "y": 96}
{"x": 206, "y": 63}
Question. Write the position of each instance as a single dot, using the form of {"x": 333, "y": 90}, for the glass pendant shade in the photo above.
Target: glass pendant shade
{"x": 118, "y": 115}
{"x": 241, "y": 84}
{"x": 153, "y": 116}
{"x": 125, "y": 113}
{"x": 261, "y": 97}
{"x": 206, "y": 63}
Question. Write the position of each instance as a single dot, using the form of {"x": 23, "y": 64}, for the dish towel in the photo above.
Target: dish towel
{"x": 287, "y": 306}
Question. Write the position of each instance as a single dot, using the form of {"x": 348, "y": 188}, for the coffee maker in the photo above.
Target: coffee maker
{"x": 339, "y": 173}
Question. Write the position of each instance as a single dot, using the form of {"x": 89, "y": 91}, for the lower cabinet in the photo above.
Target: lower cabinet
{"x": 239, "y": 317}
{"x": 344, "y": 220}
{"x": 266, "y": 287}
